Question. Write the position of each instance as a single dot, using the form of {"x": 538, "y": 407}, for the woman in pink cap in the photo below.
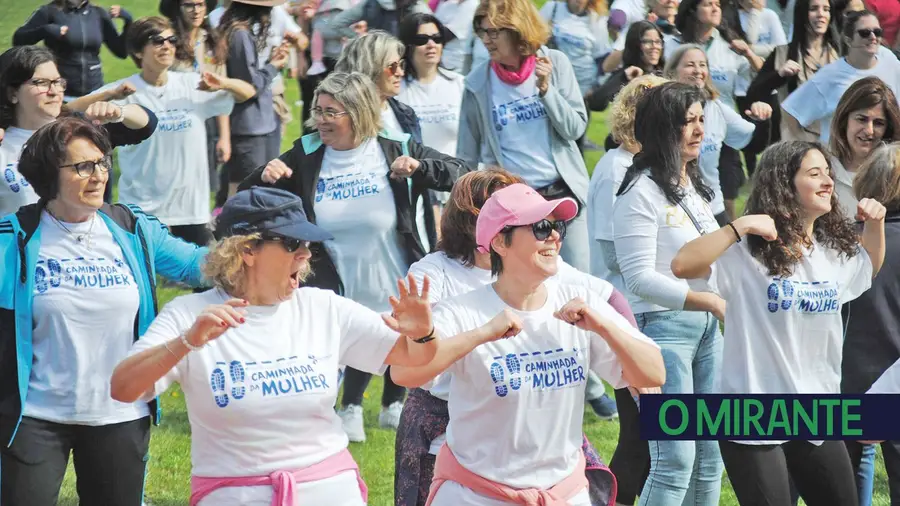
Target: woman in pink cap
{"x": 528, "y": 390}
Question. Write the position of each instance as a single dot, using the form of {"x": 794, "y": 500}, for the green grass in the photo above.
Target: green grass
{"x": 169, "y": 469}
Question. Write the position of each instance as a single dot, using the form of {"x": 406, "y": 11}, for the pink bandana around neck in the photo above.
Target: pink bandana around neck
{"x": 515, "y": 77}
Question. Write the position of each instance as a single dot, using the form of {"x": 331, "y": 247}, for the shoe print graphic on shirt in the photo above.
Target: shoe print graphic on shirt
{"x": 803, "y": 297}
{"x": 217, "y": 382}
{"x": 538, "y": 370}
{"x": 237, "y": 379}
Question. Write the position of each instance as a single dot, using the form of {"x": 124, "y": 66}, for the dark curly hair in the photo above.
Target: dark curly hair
{"x": 775, "y": 194}
{"x": 659, "y": 120}
{"x": 184, "y": 50}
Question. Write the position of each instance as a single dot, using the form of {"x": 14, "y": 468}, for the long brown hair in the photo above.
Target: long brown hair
{"x": 241, "y": 16}
{"x": 774, "y": 194}
{"x": 866, "y": 93}
{"x": 469, "y": 194}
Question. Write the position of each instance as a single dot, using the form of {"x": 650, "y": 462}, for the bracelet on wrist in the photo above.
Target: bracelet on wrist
{"x": 187, "y": 344}
{"x": 735, "y": 230}
{"x": 429, "y": 337}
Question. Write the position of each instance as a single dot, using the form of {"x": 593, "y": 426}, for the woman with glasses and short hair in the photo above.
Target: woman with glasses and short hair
{"x": 78, "y": 289}
{"x": 35, "y": 99}
{"x": 360, "y": 182}
{"x": 523, "y": 110}
{"x": 161, "y": 174}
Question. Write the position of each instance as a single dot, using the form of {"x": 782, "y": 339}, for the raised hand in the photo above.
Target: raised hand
{"x": 870, "y": 210}
{"x": 411, "y": 314}
{"x": 575, "y": 312}
{"x": 503, "y": 326}
{"x": 124, "y": 90}
{"x": 275, "y": 170}
{"x": 789, "y": 68}
{"x": 403, "y": 166}
{"x": 633, "y": 72}
{"x": 759, "y": 111}
{"x": 210, "y": 82}
{"x": 757, "y": 224}
{"x": 280, "y": 55}
{"x": 63, "y": 30}
{"x": 215, "y": 320}
{"x": 115, "y": 11}
{"x": 740, "y": 47}
{"x": 542, "y": 71}
{"x": 101, "y": 113}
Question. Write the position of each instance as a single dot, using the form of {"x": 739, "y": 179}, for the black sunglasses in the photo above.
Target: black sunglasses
{"x": 544, "y": 228}
{"x": 289, "y": 245}
{"x": 422, "y": 39}
{"x": 865, "y": 32}
{"x": 159, "y": 40}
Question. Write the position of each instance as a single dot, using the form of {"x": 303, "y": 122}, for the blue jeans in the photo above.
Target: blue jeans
{"x": 684, "y": 472}
{"x": 865, "y": 475}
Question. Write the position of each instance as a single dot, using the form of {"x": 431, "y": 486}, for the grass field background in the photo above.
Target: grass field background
{"x": 169, "y": 468}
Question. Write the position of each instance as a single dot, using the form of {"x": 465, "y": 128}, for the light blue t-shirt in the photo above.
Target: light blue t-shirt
{"x": 582, "y": 38}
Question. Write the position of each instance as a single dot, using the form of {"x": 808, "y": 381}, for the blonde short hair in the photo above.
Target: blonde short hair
{"x": 672, "y": 62}
{"x": 520, "y": 16}
{"x": 622, "y": 111}
{"x": 878, "y": 177}
{"x": 370, "y": 54}
{"x": 225, "y": 265}
{"x": 359, "y": 96}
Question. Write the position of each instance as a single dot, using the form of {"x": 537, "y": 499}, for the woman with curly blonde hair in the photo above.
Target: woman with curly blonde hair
{"x": 523, "y": 110}
{"x": 258, "y": 357}
{"x": 784, "y": 286}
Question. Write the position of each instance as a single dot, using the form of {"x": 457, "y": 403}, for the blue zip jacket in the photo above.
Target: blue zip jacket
{"x": 148, "y": 249}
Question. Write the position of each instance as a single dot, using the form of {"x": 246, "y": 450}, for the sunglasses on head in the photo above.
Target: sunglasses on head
{"x": 865, "y": 32}
{"x": 159, "y": 40}
{"x": 289, "y": 245}
{"x": 544, "y": 228}
{"x": 422, "y": 39}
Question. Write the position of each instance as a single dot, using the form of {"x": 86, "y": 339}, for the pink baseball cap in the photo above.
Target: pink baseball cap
{"x": 517, "y": 204}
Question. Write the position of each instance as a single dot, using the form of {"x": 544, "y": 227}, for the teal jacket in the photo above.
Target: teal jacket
{"x": 148, "y": 249}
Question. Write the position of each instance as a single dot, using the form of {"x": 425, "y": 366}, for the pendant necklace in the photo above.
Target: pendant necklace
{"x": 83, "y": 239}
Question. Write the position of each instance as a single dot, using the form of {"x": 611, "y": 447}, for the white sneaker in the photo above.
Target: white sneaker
{"x": 389, "y": 418}
{"x": 352, "y": 418}
{"x": 316, "y": 69}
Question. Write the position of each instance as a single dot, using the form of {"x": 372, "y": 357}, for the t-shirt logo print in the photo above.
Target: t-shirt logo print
{"x": 9, "y": 175}
{"x": 804, "y": 297}
{"x": 514, "y": 369}
{"x": 787, "y": 293}
{"x": 217, "y": 382}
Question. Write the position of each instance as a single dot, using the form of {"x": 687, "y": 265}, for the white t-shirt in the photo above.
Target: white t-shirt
{"x": 785, "y": 335}
{"x": 167, "y": 175}
{"x": 449, "y": 278}
{"x": 85, "y": 304}
{"x": 457, "y": 16}
{"x": 724, "y": 65}
{"x": 888, "y": 382}
{"x": 648, "y": 231}
{"x": 528, "y": 390}
{"x": 764, "y": 33}
{"x": 261, "y": 397}
{"x": 605, "y": 181}
{"x": 817, "y": 98}
{"x": 582, "y": 38}
{"x": 523, "y": 129}
{"x": 15, "y": 191}
{"x": 355, "y": 203}
{"x": 437, "y": 105}
{"x": 843, "y": 187}
{"x": 723, "y": 126}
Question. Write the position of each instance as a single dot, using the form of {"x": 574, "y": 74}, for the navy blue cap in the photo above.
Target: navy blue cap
{"x": 261, "y": 210}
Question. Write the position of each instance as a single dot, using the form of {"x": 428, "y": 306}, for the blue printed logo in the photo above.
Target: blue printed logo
{"x": 348, "y": 187}
{"x": 16, "y": 184}
{"x": 539, "y": 370}
{"x": 282, "y": 377}
{"x": 320, "y": 190}
{"x": 521, "y": 111}
{"x": 816, "y": 297}
{"x": 174, "y": 120}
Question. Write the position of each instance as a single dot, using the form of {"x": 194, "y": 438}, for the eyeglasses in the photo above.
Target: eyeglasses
{"x": 191, "y": 7}
{"x": 289, "y": 245}
{"x": 544, "y": 228}
{"x": 399, "y": 65}
{"x": 44, "y": 85}
{"x": 492, "y": 33}
{"x": 865, "y": 32}
{"x": 652, "y": 42}
{"x": 159, "y": 40}
{"x": 87, "y": 168}
{"x": 329, "y": 114}
{"x": 422, "y": 39}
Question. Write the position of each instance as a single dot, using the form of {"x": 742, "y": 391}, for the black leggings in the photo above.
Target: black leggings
{"x": 631, "y": 461}
{"x": 356, "y": 382}
{"x": 759, "y": 473}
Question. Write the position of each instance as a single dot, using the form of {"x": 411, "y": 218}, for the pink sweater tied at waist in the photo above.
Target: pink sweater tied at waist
{"x": 447, "y": 468}
{"x": 282, "y": 481}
